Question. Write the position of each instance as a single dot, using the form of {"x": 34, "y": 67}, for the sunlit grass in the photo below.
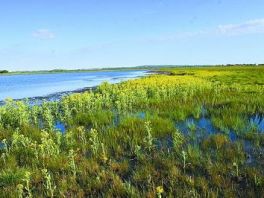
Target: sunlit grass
{"x": 124, "y": 140}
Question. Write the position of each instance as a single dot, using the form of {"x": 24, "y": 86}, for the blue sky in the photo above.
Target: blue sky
{"x": 48, "y": 34}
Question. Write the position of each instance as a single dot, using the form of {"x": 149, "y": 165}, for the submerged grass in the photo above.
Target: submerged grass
{"x": 196, "y": 132}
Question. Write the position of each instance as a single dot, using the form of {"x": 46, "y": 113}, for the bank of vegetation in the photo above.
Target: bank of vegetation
{"x": 197, "y": 132}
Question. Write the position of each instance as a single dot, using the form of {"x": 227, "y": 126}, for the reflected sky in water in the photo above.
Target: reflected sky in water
{"x": 35, "y": 85}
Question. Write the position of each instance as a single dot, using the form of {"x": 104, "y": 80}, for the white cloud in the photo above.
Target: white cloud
{"x": 43, "y": 34}
{"x": 247, "y": 27}
{"x": 255, "y": 26}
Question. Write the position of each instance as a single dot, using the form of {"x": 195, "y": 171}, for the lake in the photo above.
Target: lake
{"x": 44, "y": 85}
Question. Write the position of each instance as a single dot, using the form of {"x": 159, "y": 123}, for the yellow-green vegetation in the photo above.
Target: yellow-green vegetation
{"x": 190, "y": 132}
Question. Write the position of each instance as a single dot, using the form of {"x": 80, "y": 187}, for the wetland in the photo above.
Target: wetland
{"x": 179, "y": 132}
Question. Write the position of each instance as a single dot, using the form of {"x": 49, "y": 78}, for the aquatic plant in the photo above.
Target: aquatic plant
{"x": 148, "y": 140}
{"x": 47, "y": 147}
{"x": 5, "y": 146}
{"x": 82, "y": 139}
{"x": 235, "y": 165}
{"x": 159, "y": 191}
{"x": 47, "y": 117}
{"x": 27, "y": 180}
{"x": 20, "y": 191}
{"x": 137, "y": 151}
{"x": 49, "y": 186}
{"x": 191, "y": 125}
{"x": 177, "y": 139}
{"x": 72, "y": 164}
{"x": 103, "y": 153}
{"x": 257, "y": 180}
{"x": 184, "y": 155}
{"x": 94, "y": 141}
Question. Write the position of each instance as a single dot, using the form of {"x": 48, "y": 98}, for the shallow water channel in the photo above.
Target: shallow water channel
{"x": 196, "y": 130}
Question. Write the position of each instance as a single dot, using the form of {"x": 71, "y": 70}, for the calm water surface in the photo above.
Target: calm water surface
{"x": 40, "y": 85}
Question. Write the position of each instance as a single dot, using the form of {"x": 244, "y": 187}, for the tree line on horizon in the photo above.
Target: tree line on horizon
{"x": 3, "y": 71}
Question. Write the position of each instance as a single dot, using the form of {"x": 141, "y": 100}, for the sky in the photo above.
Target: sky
{"x": 76, "y": 34}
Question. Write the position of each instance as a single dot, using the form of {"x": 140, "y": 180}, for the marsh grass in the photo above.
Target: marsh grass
{"x": 195, "y": 133}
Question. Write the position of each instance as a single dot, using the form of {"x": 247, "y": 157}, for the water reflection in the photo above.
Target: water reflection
{"x": 36, "y": 85}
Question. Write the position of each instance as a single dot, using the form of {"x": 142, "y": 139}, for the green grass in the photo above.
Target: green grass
{"x": 124, "y": 140}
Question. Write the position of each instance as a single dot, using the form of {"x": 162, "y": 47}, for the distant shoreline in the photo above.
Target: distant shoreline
{"x": 143, "y": 67}
{"x": 67, "y": 71}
